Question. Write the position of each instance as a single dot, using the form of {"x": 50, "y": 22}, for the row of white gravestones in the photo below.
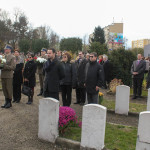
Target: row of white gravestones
{"x": 93, "y": 123}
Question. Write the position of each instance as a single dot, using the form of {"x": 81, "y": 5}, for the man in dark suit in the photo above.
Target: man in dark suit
{"x": 137, "y": 71}
{"x": 54, "y": 72}
{"x": 80, "y": 87}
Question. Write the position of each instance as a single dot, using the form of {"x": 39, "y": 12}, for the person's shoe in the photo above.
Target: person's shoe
{"x": 17, "y": 101}
{"x": 76, "y": 103}
{"x": 29, "y": 103}
{"x": 81, "y": 104}
{"x": 29, "y": 100}
{"x": 41, "y": 93}
{"x": 14, "y": 101}
{"x": 6, "y": 102}
{"x": 134, "y": 97}
{"x": 140, "y": 97}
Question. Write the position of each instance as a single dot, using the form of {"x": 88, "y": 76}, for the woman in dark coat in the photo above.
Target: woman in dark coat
{"x": 69, "y": 81}
{"x": 17, "y": 78}
{"x": 29, "y": 75}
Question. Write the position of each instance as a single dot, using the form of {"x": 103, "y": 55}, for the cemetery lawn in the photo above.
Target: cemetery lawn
{"x": 133, "y": 107}
{"x": 117, "y": 137}
{"x": 144, "y": 92}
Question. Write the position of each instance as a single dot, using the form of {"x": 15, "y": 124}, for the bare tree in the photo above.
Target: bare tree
{"x": 54, "y": 40}
{"x": 85, "y": 45}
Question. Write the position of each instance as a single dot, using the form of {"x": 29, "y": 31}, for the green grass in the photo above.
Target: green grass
{"x": 144, "y": 92}
{"x": 117, "y": 137}
{"x": 133, "y": 107}
{"x": 73, "y": 133}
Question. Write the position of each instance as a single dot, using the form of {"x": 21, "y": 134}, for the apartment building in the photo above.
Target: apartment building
{"x": 140, "y": 43}
{"x": 114, "y": 35}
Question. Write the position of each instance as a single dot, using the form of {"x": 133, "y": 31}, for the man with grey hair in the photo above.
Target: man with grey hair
{"x": 87, "y": 56}
{"x": 137, "y": 71}
{"x": 107, "y": 70}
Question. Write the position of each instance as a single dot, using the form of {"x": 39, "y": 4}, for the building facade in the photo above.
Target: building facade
{"x": 114, "y": 35}
{"x": 140, "y": 43}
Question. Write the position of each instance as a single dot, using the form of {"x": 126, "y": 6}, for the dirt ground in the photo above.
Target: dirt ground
{"x": 19, "y": 124}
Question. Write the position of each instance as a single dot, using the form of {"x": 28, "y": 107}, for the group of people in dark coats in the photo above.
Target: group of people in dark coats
{"x": 85, "y": 75}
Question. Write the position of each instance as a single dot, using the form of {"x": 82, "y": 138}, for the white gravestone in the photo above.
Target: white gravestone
{"x": 143, "y": 140}
{"x": 122, "y": 99}
{"x": 48, "y": 119}
{"x": 148, "y": 100}
{"x": 93, "y": 126}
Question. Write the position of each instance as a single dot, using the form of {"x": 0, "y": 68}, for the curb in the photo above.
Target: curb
{"x": 75, "y": 145}
{"x": 71, "y": 144}
{"x": 68, "y": 144}
{"x": 129, "y": 113}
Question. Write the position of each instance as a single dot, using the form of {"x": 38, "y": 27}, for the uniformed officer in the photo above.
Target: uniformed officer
{"x": 7, "y": 76}
{"x": 40, "y": 70}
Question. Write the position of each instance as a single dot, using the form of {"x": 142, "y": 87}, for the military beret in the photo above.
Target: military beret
{"x": 8, "y": 47}
{"x": 43, "y": 49}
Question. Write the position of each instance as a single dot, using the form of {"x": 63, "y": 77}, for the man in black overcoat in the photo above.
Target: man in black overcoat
{"x": 94, "y": 78}
{"x": 54, "y": 72}
{"x": 107, "y": 70}
{"x": 80, "y": 88}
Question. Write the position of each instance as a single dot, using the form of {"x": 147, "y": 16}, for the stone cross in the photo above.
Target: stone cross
{"x": 48, "y": 119}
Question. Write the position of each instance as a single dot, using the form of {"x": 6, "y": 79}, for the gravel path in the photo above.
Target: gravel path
{"x": 19, "y": 124}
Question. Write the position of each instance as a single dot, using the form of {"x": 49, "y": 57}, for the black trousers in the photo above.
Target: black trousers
{"x": 66, "y": 94}
{"x": 52, "y": 95}
{"x": 17, "y": 91}
{"x": 137, "y": 86}
{"x": 92, "y": 98}
{"x": 80, "y": 95}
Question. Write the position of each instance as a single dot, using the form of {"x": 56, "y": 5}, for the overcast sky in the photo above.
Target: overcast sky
{"x": 76, "y": 18}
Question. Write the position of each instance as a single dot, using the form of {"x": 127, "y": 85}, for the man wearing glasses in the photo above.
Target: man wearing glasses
{"x": 94, "y": 78}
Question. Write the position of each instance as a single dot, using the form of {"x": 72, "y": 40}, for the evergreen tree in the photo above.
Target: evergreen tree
{"x": 99, "y": 48}
{"x": 71, "y": 44}
{"x": 98, "y": 35}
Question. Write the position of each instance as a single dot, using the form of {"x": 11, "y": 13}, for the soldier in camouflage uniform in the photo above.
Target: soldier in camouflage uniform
{"x": 7, "y": 76}
{"x": 40, "y": 70}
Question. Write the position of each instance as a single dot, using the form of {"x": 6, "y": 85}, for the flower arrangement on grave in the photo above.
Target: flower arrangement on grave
{"x": 67, "y": 118}
{"x": 114, "y": 83}
{"x": 2, "y": 61}
{"x": 100, "y": 97}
